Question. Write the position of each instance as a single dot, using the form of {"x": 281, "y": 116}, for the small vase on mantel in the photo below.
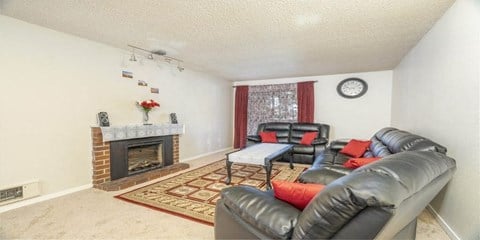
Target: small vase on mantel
{"x": 146, "y": 106}
{"x": 145, "y": 118}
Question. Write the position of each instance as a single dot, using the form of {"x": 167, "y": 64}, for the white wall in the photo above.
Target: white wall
{"x": 53, "y": 85}
{"x": 436, "y": 94}
{"x": 348, "y": 118}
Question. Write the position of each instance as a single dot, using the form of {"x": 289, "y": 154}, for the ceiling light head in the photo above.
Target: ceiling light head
{"x": 133, "y": 58}
{"x": 150, "y": 56}
{"x": 180, "y": 66}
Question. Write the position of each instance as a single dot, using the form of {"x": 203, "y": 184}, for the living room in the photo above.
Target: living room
{"x": 60, "y": 64}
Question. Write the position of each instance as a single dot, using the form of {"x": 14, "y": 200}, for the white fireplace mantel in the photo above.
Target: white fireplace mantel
{"x": 141, "y": 131}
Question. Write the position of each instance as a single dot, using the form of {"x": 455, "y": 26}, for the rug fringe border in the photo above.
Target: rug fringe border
{"x": 166, "y": 211}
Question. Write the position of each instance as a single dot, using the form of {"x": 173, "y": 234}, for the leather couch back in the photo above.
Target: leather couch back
{"x": 298, "y": 129}
{"x": 390, "y": 140}
{"x": 377, "y": 200}
{"x": 282, "y": 129}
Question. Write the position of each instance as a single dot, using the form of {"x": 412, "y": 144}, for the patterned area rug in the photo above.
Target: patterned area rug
{"x": 193, "y": 194}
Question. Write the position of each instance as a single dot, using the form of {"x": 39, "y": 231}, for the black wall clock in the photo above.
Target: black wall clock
{"x": 352, "y": 88}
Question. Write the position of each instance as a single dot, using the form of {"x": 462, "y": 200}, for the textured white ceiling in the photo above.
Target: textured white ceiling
{"x": 248, "y": 39}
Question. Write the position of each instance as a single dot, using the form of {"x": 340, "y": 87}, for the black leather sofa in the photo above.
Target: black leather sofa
{"x": 292, "y": 133}
{"x": 380, "y": 200}
{"x": 328, "y": 166}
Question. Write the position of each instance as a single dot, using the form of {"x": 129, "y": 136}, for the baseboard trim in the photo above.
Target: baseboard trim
{"x": 205, "y": 154}
{"x": 42, "y": 198}
{"x": 451, "y": 234}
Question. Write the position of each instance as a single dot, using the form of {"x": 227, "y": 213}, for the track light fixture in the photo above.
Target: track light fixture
{"x": 132, "y": 57}
{"x": 180, "y": 67}
{"x": 162, "y": 53}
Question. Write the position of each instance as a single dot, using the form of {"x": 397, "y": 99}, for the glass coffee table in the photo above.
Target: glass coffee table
{"x": 260, "y": 154}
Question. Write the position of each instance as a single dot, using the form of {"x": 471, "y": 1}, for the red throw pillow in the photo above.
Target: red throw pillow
{"x": 268, "y": 137}
{"x": 308, "y": 138}
{"x": 358, "y": 162}
{"x": 355, "y": 148}
{"x": 297, "y": 194}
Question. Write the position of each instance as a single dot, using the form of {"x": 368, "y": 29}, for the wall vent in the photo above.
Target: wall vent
{"x": 19, "y": 192}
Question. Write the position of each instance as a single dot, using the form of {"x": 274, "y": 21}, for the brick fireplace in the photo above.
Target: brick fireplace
{"x": 102, "y": 164}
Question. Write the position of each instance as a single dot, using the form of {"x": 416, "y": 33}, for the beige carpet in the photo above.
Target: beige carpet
{"x": 193, "y": 194}
{"x": 95, "y": 214}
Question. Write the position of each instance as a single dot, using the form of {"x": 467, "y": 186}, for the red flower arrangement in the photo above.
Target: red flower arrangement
{"x": 148, "y": 105}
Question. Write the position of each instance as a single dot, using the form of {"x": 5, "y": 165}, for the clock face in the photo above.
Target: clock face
{"x": 352, "y": 88}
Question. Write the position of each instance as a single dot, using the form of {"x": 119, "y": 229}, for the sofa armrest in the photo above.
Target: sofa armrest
{"x": 338, "y": 144}
{"x": 254, "y": 138}
{"x": 258, "y": 208}
{"x": 320, "y": 141}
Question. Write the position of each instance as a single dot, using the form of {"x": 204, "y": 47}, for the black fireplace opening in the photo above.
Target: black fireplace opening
{"x": 134, "y": 156}
{"x": 144, "y": 157}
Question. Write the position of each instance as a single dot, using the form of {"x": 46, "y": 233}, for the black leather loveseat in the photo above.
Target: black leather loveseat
{"x": 292, "y": 133}
{"x": 328, "y": 165}
{"x": 380, "y": 200}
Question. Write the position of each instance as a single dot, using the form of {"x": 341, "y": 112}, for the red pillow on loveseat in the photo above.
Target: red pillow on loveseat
{"x": 355, "y": 148}
{"x": 268, "y": 137}
{"x": 297, "y": 194}
{"x": 308, "y": 138}
{"x": 358, "y": 162}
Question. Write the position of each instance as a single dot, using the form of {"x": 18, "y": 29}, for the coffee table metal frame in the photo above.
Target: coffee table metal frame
{"x": 267, "y": 162}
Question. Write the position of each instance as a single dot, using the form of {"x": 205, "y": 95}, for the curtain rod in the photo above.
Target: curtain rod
{"x": 275, "y": 84}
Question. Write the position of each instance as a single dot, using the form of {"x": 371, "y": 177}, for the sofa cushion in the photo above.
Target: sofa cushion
{"x": 325, "y": 174}
{"x": 268, "y": 137}
{"x": 358, "y": 162}
{"x": 323, "y": 129}
{"x": 308, "y": 138}
{"x": 298, "y": 130}
{"x": 303, "y": 149}
{"x": 281, "y": 128}
{"x": 258, "y": 208}
{"x": 329, "y": 157}
{"x": 302, "y": 158}
{"x": 355, "y": 148}
{"x": 297, "y": 194}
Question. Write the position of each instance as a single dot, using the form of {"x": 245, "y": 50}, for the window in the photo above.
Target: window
{"x": 271, "y": 103}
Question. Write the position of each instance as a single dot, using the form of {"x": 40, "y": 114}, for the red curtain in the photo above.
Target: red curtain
{"x": 241, "y": 105}
{"x": 305, "y": 101}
